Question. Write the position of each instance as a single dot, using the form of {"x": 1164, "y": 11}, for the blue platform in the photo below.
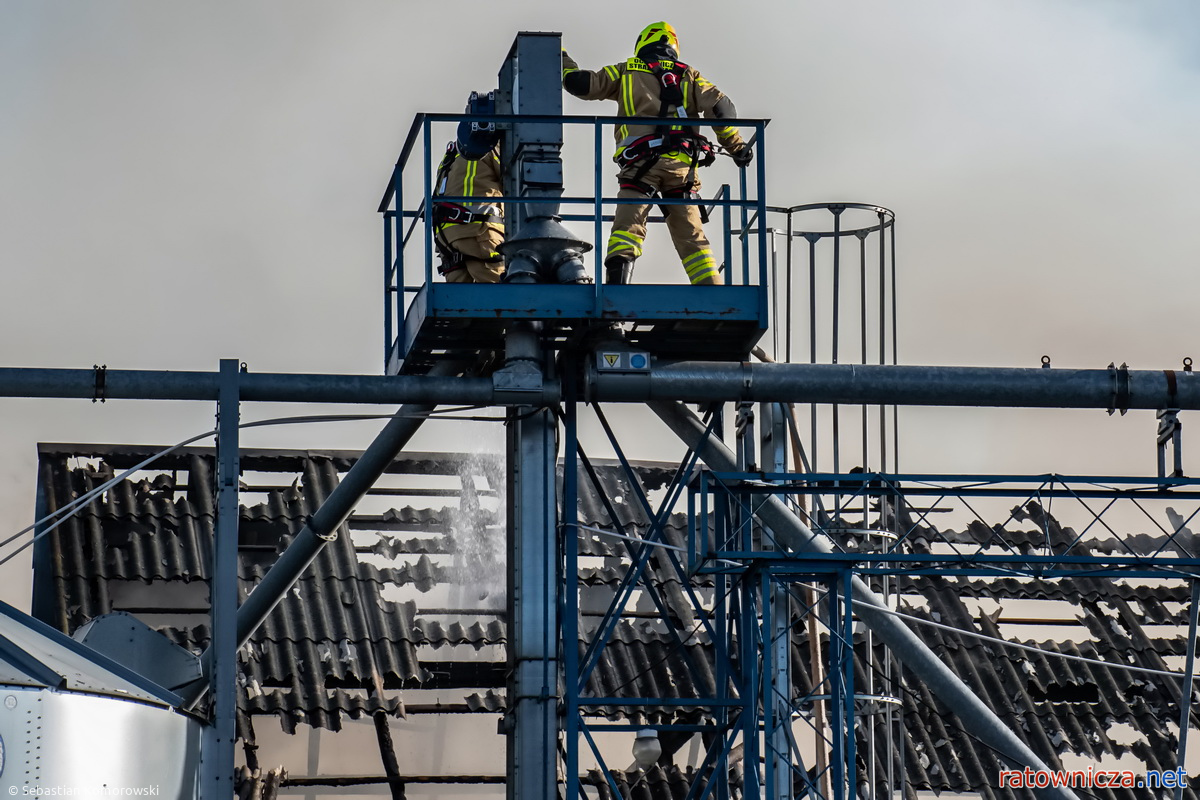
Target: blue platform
{"x": 427, "y": 320}
{"x": 722, "y": 322}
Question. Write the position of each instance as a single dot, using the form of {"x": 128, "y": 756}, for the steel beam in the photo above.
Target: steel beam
{"x": 704, "y": 381}
{"x": 693, "y": 382}
{"x": 871, "y": 609}
{"x": 112, "y": 384}
{"x": 220, "y": 738}
{"x": 533, "y": 579}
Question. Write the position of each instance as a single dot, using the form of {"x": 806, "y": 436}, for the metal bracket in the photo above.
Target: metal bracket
{"x": 1170, "y": 432}
{"x": 100, "y": 372}
{"x": 1120, "y": 388}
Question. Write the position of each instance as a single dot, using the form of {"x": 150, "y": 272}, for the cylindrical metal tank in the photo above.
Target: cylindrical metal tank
{"x": 74, "y": 723}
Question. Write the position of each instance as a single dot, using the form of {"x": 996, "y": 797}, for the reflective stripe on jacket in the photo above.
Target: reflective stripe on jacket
{"x": 638, "y": 93}
{"x": 467, "y": 178}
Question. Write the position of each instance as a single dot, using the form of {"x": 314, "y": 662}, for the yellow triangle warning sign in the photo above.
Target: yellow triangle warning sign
{"x": 612, "y": 358}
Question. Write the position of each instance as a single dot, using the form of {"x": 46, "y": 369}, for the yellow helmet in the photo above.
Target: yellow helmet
{"x": 658, "y": 33}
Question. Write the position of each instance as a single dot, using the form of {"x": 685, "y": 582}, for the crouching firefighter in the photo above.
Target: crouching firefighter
{"x": 467, "y": 235}
{"x": 659, "y": 160}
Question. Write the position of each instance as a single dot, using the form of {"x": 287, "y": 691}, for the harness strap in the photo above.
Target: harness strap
{"x": 448, "y": 213}
{"x": 694, "y": 145}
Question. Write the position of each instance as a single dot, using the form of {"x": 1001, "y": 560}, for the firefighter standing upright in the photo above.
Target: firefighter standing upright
{"x": 659, "y": 159}
{"x": 467, "y": 234}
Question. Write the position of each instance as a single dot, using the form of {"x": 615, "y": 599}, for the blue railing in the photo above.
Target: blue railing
{"x": 1058, "y": 525}
{"x": 404, "y": 280}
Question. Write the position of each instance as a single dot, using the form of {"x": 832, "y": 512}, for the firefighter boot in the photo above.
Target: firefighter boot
{"x": 618, "y": 269}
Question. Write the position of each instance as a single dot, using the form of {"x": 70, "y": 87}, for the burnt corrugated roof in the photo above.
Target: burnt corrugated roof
{"x": 308, "y": 664}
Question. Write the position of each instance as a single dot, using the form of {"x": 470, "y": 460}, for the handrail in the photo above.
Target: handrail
{"x": 402, "y": 161}
{"x": 578, "y": 119}
{"x": 402, "y": 283}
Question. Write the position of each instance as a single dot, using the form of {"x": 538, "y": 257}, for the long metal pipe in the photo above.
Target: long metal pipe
{"x": 260, "y": 387}
{"x": 703, "y": 381}
{"x": 692, "y": 381}
{"x": 908, "y": 648}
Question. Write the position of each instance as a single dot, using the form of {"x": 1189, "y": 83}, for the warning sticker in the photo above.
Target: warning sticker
{"x": 612, "y": 358}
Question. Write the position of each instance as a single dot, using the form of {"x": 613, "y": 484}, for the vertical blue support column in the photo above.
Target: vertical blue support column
{"x": 220, "y": 736}
{"x": 530, "y": 83}
{"x": 750, "y": 646}
{"x": 777, "y": 716}
{"x": 846, "y": 584}
{"x": 534, "y": 631}
{"x": 570, "y": 587}
{"x": 841, "y": 685}
{"x": 722, "y": 650}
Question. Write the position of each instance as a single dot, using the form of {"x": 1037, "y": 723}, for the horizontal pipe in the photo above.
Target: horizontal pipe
{"x": 908, "y": 648}
{"x": 114, "y": 384}
{"x": 704, "y": 381}
{"x": 691, "y": 381}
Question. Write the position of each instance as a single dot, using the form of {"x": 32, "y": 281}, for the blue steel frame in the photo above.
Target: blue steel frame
{"x": 220, "y": 737}
{"x": 739, "y": 622}
{"x": 409, "y": 300}
{"x": 746, "y": 571}
{"x": 724, "y": 544}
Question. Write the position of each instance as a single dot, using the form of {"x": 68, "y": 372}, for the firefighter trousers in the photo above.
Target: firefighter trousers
{"x": 669, "y": 177}
{"x": 476, "y": 242}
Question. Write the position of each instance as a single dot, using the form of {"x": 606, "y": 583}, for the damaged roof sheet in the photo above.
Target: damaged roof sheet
{"x": 354, "y": 614}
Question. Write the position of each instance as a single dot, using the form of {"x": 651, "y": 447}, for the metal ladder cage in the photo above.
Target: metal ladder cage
{"x": 411, "y": 296}
{"x": 850, "y": 296}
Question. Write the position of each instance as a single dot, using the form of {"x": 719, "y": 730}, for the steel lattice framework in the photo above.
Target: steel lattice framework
{"x": 772, "y": 548}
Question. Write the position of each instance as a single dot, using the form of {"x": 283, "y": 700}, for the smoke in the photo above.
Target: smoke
{"x": 478, "y": 532}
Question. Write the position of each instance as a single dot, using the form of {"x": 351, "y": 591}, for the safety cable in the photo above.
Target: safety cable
{"x": 1007, "y": 643}
{"x": 70, "y": 509}
{"x": 1021, "y": 646}
{"x": 633, "y": 539}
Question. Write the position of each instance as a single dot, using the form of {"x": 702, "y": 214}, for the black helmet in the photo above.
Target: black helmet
{"x": 477, "y": 137}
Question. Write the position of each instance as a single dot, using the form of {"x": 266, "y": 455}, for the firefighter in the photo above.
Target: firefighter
{"x": 467, "y": 235}
{"x": 659, "y": 160}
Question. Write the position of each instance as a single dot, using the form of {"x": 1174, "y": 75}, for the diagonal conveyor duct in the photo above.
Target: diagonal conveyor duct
{"x": 909, "y": 649}
{"x": 323, "y": 524}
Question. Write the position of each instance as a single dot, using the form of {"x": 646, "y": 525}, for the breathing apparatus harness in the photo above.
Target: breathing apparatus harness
{"x": 645, "y": 151}
{"x": 450, "y": 213}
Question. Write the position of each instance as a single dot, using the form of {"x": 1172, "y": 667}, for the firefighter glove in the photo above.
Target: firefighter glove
{"x": 743, "y": 156}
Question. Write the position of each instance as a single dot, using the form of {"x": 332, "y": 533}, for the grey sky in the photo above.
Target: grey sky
{"x": 181, "y": 182}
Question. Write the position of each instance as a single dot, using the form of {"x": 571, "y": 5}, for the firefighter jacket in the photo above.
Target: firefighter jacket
{"x": 463, "y": 177}
{"x": 638, "y": 92}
